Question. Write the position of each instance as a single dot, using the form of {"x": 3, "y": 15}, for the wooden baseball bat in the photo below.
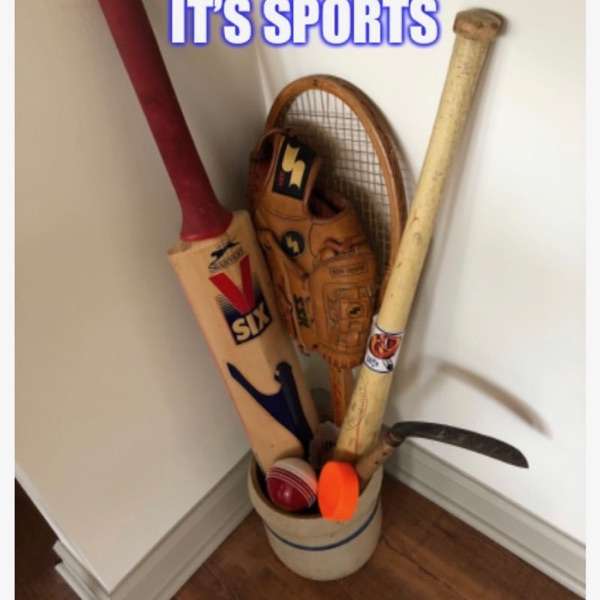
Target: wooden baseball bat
{"x": 475, "y": 31}
{"x": 219, "y": 263}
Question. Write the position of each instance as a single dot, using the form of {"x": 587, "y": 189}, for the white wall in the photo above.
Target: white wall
{"x": 496, "y": 340}
{"x": 122, "y": 423}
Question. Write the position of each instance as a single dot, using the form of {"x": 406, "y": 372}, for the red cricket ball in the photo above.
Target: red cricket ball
{"x": 292, "y": 484}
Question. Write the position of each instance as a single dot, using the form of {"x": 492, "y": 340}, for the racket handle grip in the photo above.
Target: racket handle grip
{"x": 341, "y": 382}
{"x": 202, "y": 215}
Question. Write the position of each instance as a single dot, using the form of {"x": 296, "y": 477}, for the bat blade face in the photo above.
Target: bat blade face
{"x": 284, "y": 406}
{"x": 228, "y": 287}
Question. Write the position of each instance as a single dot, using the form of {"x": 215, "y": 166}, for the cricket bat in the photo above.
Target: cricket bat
{"x": 219, "y": 263}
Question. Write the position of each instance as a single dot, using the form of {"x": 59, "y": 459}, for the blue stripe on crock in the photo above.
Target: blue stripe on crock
{"x": 328, "y": 546}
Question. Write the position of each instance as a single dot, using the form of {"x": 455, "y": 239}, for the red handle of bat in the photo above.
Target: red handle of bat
{"x": 203, "y": 216}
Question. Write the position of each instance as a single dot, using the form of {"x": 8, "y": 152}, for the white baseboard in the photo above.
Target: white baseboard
{"x": 554, "y": 553}
{"x": 169, "y": 565}
{"x": 77, "y": 585}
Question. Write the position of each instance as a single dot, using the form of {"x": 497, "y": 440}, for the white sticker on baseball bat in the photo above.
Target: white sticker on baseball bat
{"x": 383, "y": 349}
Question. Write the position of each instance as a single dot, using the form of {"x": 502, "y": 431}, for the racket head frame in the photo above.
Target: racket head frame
{"x": 379, "y": 132}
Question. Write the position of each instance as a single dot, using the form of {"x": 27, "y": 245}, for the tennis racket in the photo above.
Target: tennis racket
{"x": 361, "y": 161}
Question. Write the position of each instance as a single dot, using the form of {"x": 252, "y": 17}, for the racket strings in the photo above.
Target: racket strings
{"x": 350, "y": 163}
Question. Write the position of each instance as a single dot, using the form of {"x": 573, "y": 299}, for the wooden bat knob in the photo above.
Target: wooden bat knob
{"x": 478, "y": 24}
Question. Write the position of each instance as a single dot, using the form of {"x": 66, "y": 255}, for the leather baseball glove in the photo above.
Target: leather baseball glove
{"x": 323, "y": 270}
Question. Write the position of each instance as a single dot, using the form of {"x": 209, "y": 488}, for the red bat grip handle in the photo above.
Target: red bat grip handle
{"x": 202, "y": 215}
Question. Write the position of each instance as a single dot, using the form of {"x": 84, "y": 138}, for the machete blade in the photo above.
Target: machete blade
{"x": 463, "y": 438}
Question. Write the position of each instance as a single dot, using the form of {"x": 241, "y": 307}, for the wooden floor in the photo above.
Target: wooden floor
{"x": 425, "y": 553}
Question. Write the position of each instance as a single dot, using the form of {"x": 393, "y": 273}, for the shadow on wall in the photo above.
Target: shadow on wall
{"x": 433, "y": 372}
{"x": 429, "y": 372}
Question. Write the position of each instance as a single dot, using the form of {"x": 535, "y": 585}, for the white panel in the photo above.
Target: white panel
{"x": 179, "y": 554}
{"x": 122, "y": 421}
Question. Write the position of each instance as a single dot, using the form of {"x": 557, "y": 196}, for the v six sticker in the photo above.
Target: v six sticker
{"x": 245, "y": 308}
{"x": 383, "y": 349}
